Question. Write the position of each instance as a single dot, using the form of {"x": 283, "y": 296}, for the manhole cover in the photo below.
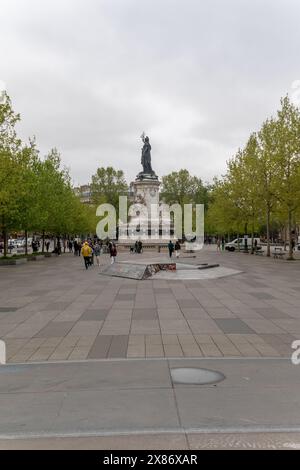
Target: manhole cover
{"x": 189, "y": 375}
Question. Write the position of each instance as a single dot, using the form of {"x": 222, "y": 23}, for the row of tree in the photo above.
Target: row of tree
{"x": 261, "y": 189}
{"x": 36, "y": 194}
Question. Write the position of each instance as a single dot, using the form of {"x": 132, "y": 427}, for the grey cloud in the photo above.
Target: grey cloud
{"x": 89, "y": 76}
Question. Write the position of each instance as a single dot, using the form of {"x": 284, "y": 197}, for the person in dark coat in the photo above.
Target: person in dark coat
{"x": 171, "y": 248}
{"x": 177, "y": 249}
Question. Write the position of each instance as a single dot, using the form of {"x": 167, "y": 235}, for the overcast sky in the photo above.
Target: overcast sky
{"x": 88, "y": 76}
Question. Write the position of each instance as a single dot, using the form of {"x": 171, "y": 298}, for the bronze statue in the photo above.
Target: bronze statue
{"x": 146, "y": 155}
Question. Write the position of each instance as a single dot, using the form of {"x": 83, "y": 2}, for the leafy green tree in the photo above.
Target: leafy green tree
{"x": 288, "y": 163}
{"x": 268, "y": 173}
{"x": 182, "y": 188}
{"x": 10, "y": 174}
{"x": 107, "y": 185}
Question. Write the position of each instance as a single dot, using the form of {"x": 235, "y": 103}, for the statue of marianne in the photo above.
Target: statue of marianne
{"x": 146, "y": 155}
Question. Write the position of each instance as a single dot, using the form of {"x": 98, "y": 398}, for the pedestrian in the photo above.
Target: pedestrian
{"x": 177, "y": 249}
{"x": 223, "y": 243}
{"x": 113, "y": 253}
{"x": 79, "y": 247}
{"x": 58, "y": 247}
{"x": 218, "y": 245}
{"x": 75, "y": 248}
{"x": 171, "y": 248}
{"x": 92, "y": 255}
{"x": 86, "y": 252}
{"x": 97, "y": 251}
{"x": 70, "y": 246}
{"x": 47, "y": 245}
{"x": 140, "y": 246}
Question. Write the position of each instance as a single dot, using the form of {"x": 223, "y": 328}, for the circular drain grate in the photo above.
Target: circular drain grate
{"x": 189, "y": 375}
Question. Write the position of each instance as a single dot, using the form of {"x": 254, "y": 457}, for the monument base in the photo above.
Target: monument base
{"x": 145, "y": 222}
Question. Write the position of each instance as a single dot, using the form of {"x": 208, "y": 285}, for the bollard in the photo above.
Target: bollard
{"x": 2, "y": 352}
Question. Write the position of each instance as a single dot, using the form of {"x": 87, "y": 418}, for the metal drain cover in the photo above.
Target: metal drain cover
{"x": 189, "y": 375}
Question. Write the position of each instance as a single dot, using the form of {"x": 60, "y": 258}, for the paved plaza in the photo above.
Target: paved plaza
{"x": 55, "y": 310}
{"x": 91, "y": 357}
{"x": 119, "y": 404}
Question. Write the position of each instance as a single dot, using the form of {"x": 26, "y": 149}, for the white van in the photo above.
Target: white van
{"x": 240, "y": 242}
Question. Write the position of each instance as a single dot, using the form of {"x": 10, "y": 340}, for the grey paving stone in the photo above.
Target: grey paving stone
{"x": 270, "y": 313}
{"x": 186, "y": 303}
{"x": 101, "y": 346}
{"x": 94, "y": 314}
{"x": 55, "y": 329}
{"x": 39, "y": 292}
{"x": 118, "y": 346}
{"x": 8, "y": 309}
{"x": 162, "y": 290}
{"x": 144, "y": 314}
{"x": 233, "y": 325}
{"x": 125, "y": 297}
{"x": 31, "y": 412}
{"x": 60, "y": 306}
{"x": 262, "y": 295}
{"x": 117, "y": 410}
{"x": 252, "y": 283}
{"x": 220, "y": 407}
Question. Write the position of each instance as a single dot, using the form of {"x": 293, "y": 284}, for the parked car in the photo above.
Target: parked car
{"x": 240, "y": 242}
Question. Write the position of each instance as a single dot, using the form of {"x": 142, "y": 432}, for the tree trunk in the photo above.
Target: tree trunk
{"x": 43, "y": 244}
{"x": 252, "y": 236}
{"x": 26, "y": 242}
{"x": 290, "y": 257}
{"x": 5, "y": 241}
{"x": 268, "y": 233}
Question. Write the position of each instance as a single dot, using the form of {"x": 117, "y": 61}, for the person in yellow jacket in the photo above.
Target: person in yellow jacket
{"x": 86, "y": 252}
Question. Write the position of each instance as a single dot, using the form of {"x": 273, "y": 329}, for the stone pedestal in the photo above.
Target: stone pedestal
{"x": 145, "y": 222}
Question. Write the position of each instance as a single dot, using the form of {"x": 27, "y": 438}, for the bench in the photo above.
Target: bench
{"x": 259, "y": 252}
{"x": 278, "y": 252}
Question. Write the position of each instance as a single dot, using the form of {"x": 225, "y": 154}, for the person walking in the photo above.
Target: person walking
{"x": 92, "y": 255}
{"x": 171, "y": 248}
{"x": 218, "y": 245}
{"x": 79, "y": 244}
{"x": 47, "y": 245}
{"x": 223, "y": 243}
{"x": 177, "y": 249}
{"x": 113, "y": 253}
{"x": 97, "y": 252}
{"x": 86, "y": 252}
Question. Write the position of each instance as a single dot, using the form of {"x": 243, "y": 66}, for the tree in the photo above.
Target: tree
{"x": 107, "y": 185}
{"x": 10, "y": 174}
{"x": 182, "y": 188}
{"x": 268, "y": 175}
{"x": 288, "y": 163}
